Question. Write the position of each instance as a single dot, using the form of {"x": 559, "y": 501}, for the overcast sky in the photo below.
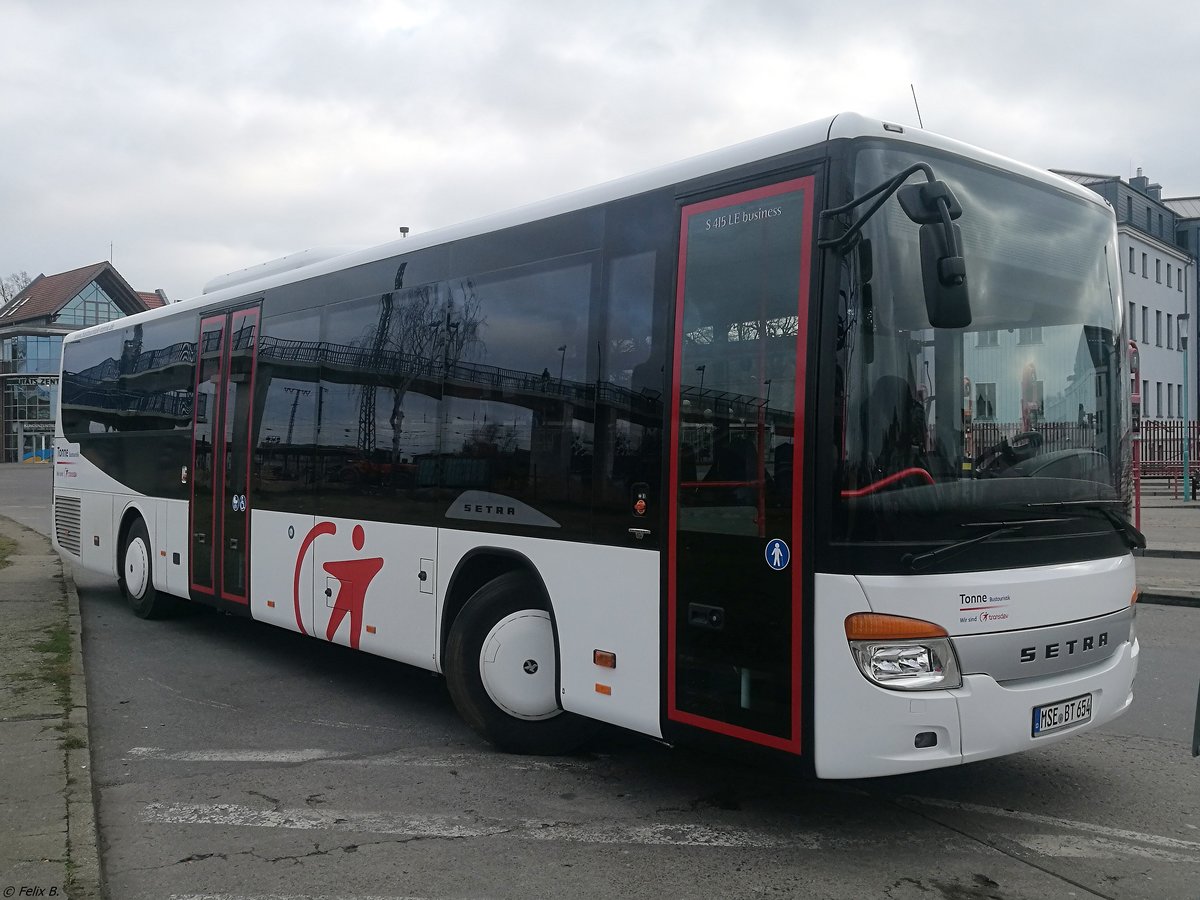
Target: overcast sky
{"x": 200, "y": 138}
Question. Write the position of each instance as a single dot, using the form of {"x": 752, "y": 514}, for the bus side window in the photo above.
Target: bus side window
{"x": 629, "y": 446}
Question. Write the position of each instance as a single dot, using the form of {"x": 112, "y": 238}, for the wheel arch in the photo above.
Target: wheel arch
{"x": 132, "y": 512}
{"x": 474, "y": 570}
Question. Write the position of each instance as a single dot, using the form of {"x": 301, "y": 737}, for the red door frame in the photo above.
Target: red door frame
{"x": 231, "y": 321}
{"x": 791, "y": 743}
{"x": 237, "y": 319}
{"x": 215, "y": 422}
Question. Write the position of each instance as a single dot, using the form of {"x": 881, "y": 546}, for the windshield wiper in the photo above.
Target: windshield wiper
{"x": 925, "y": 560}
{"x": 1134, "y": 538}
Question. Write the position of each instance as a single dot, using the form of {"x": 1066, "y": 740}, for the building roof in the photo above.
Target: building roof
{"x": 1085, "y": 178}
{"x": 152, "y": 299}
{"x": 1184, "y": 207}
{"x": 47, "y": 294}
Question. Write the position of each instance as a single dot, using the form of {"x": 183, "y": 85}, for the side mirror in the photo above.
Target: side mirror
{"x": 944, "y": 273}
{"x": 943, "y": 268}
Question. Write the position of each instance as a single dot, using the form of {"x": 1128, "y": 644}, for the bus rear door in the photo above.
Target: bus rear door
{"x": 222, "y": 426}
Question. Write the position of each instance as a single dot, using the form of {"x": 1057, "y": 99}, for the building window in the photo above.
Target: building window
{"x": 1030, "y": 335}
{"x": 91, "y": 306}
{"x": 1129, "y": 210}
{"x": 1158, "y": 328}
{"x": 1170, "y": 331}
{"x": 988, "y": 339}
{"x": 30, "y": 354}
{"x": 985, "y": 401}
{"x": 1149, "y": 213}
{"x": 1132, "y": 270}
{"x": 1158, "y": 407}
{"x": 1145, "y": 325}
{"x": 1160, "y": 225}
{"x": 1132, "y": 321}
{"x": 1158, "y": 270}
{"x": 1145, "y": 270}
{"x": 1169, "y": 282}
{"x": 1145, "y": 396}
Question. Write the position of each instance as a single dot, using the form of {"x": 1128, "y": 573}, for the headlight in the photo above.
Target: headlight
{"x": 902, "y": 654}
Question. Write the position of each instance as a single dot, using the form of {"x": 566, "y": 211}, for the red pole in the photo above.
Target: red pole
{"x": 1137, "y": 482}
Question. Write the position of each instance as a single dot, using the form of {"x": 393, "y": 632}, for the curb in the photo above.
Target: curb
{"x": 1162, "y": 599}
{"x": 1168, "y": 554}
{"x": 82, "y": 842}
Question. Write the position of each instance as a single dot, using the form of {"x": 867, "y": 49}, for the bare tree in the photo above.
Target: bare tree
{"x": 426, "y": 331}
{"x": 11, "y": 285}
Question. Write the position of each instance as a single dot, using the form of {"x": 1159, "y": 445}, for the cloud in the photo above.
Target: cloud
{"x": 199, "y": 139}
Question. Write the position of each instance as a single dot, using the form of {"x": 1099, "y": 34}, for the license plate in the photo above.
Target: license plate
{"x": 1060, "y": 715}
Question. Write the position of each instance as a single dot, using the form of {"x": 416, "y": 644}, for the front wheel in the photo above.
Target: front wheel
{"x": 502, "y": 670}
{"x": 137, "y": 578}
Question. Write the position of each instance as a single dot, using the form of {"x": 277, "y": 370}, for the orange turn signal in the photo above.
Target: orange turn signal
{"x": 1137, "y": 592}
{"x": 605, "y": 658}
{"x": 880, "y": 627}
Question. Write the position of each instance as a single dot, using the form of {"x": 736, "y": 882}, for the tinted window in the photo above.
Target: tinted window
{"x": 288, "y": 388}
{"x": 629, "y": 408}
{"x": 517, "y": 431}
{"x": 380, "y": 361}
{"x": 128, "y": 387}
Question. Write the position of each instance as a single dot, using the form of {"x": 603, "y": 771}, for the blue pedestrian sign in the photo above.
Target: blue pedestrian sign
{"x": 778, "y": 555}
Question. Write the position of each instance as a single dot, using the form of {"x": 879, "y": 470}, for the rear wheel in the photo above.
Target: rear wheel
{"x": 502, "y": 670}
{"x": 137, "y": 577}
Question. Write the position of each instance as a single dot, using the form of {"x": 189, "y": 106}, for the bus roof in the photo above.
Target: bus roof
{"x": 312, "y": 263}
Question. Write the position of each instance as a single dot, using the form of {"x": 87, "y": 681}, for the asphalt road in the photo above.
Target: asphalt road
{"x": 235, "y": 760}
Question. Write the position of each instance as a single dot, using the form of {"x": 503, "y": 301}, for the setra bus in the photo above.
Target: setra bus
{"x": 819, "y": 444}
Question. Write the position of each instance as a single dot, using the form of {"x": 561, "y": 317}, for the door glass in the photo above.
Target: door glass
{"x": 743, "y": 295}
{"x": 238, "y": 420}
{"x": 205, "y": 412}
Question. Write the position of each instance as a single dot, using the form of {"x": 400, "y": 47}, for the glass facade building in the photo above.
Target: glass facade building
{"x": 32, "y": 327}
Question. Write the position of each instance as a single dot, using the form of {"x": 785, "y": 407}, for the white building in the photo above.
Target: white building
{"x": 1158, "y": 278}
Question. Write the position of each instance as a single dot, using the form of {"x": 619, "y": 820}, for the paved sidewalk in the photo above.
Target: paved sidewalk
{"x": 47, "y": 830}
{"x": 1169, "y": 569}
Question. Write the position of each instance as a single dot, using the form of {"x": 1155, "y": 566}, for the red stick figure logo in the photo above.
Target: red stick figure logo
{"x": 354, "y": 576}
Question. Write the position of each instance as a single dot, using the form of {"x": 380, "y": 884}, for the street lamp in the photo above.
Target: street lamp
{"x": 701, "y": 370}
{"x": 1184, "y": 320}
{"x": 562, "y": 362}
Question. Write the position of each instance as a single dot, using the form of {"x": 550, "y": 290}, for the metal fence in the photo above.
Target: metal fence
{"x": 1163, "y": 440}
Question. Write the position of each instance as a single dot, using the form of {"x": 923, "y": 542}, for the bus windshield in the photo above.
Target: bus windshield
{"x": 1017, "y": 421}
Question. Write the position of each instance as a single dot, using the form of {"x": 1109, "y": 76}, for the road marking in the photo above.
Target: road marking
{"x": 420, "y": 761}
{"x": 307, "y": 819}
{"x": 236, "y": 756}
{"x": 1112, "y": 834}
{"x": 1081, "y": 847}
{"x": 282, "y": 897}
{"x": 657, "y": 834}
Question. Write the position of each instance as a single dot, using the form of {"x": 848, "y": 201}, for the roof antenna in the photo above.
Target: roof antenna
{"x": 916, "y": 104}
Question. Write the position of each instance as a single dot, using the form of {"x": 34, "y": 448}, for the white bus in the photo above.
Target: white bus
{"x": 818, "y": 445}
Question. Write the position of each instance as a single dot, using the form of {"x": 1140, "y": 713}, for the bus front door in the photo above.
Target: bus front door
{"x": 734, "y": 578}
{"x": 222, "y": 424}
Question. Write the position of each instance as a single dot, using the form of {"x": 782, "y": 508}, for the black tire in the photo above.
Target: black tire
{"x": 137, "y": 576}
{"x": 525, "y": 721}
